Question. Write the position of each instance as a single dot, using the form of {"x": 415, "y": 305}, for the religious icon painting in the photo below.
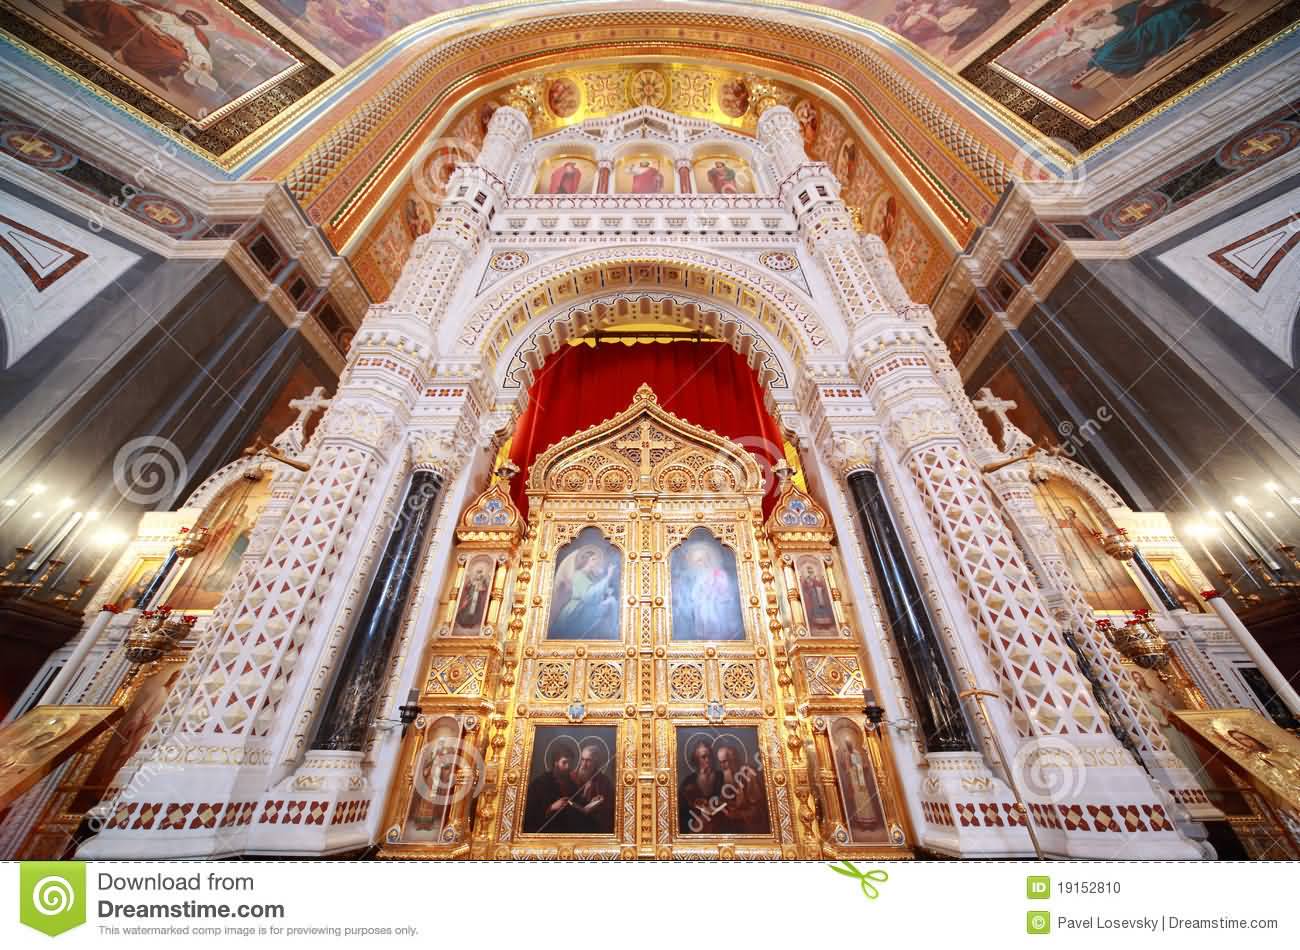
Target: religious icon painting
{"x": 434, "y": 790}
{"x": 705, "y": 590}
{"x": 471, "y": 606}
{"x": 137, "y": 581}
{"x": 586, "y": 594}
{"x": 1176, "y": 581}
{"x": 856, "y": 778}
{"x": 1092, "y": 57}
{"x": 721, "y": 786}
{"x": 230, "y": 529}
{"x": 723, "y": 175}
{"x": 198, "y": 58}
{"x": 815, "y": 594}
{"x": 566, "y": 175}
{"x": 572, "y": 777}
{"x": 643, "y": 173}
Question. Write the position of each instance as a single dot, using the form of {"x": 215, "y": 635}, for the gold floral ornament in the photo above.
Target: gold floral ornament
{"x": 648, "y": 88}
{"x": 763, "y": 94}
{"x": 526, "y": 97}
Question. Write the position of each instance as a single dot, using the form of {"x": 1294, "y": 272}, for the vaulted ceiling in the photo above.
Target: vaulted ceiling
{"x": 927, "y": 108}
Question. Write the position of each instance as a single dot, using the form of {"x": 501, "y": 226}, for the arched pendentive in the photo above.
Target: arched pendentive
{"x": 753, "y": 294}
{"x": 672, "y": 311}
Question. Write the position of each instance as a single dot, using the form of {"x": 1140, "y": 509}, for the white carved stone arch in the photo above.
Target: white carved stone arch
{"x": 547, "y": 335}
{"x": 226, "y": 476}
{"x": 527, "y": 295}
{"x": 1102, "y": 499}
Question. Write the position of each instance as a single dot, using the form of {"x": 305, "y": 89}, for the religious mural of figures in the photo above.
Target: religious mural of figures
{"x": 648, "y": 173}
{"x": 566, "y": 175}
{"x": 1094, "y": 56}
{"x": 571, "y": 781}
{"x": 207, "y": 575}
{"x": 345, "y": 30}
{"x": 434, "y": 790}
{"x": 815, "y": 594}
{"x": 196, "y": 55}
{"x": 585, "y": 596}
{"x": 418, "y": 218}
{"x": 1175, "y": 581}
{"x": 721, "y": 789}
{"x": 1103, "y": 580}
{"x": 723, "y": 175}
{"x": 137, "y": 583}
{"x": 563, "y": 97}
{"x": 471, "y": 608}
{"x": 856, "y": 778}
{"x": 952, "y": 31}
{"x": 705, "y": 591}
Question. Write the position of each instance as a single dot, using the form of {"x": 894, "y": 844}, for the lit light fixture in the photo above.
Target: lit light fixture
{"x": 92, "y": 516}
{"x": 10, "y": 502}
{"x": 1241, "y": 500}
{"x": 38, "y": 489}
{"x": 1270, "y": 486}
{"x": 67, "y": 503}
{"x": 1202, "y": 530}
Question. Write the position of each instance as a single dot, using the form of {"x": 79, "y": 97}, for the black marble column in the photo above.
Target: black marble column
{"x": 160, "y": 578}
{"x": 350, "y": 707}
{"x": 943, "y": 727}
{"x": 1167, "y": 599}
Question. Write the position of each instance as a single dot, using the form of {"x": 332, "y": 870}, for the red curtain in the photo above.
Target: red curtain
{"x": 708, "y": 384}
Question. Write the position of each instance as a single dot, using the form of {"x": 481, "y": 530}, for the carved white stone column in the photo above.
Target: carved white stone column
{"x": 1056, "y": 725}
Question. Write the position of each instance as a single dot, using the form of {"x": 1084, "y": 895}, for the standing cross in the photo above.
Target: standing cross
{"x": 988, "y": 402}
{"x": 309, "y": 405}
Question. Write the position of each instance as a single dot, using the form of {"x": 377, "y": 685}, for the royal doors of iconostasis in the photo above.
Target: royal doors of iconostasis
{"x": 647, "y": 669}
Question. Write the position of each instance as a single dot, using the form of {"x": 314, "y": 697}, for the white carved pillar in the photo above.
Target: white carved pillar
{"x": 1096, "y": 795}
{"x": 237, "y": 720}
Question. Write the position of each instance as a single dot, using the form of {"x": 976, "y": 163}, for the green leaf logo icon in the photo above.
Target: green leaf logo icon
{"x": 52, "y": 895}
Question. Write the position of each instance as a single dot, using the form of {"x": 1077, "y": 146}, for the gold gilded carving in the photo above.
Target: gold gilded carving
{"x": 656, "y": 489}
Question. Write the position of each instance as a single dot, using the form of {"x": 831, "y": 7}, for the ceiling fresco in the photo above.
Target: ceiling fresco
{"x": 217, "y": 72}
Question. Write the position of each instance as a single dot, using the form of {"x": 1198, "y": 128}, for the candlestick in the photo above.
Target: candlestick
{"x": 1205, "y": 548}
{"x": 1289, "y": 502}
{"x": 1245, "y": 503}
{"x": 1255, "y": 546}
{"x": 17, "y": 506}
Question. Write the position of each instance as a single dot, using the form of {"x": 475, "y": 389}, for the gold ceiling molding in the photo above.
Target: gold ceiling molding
{"x": 885, "y": 111}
